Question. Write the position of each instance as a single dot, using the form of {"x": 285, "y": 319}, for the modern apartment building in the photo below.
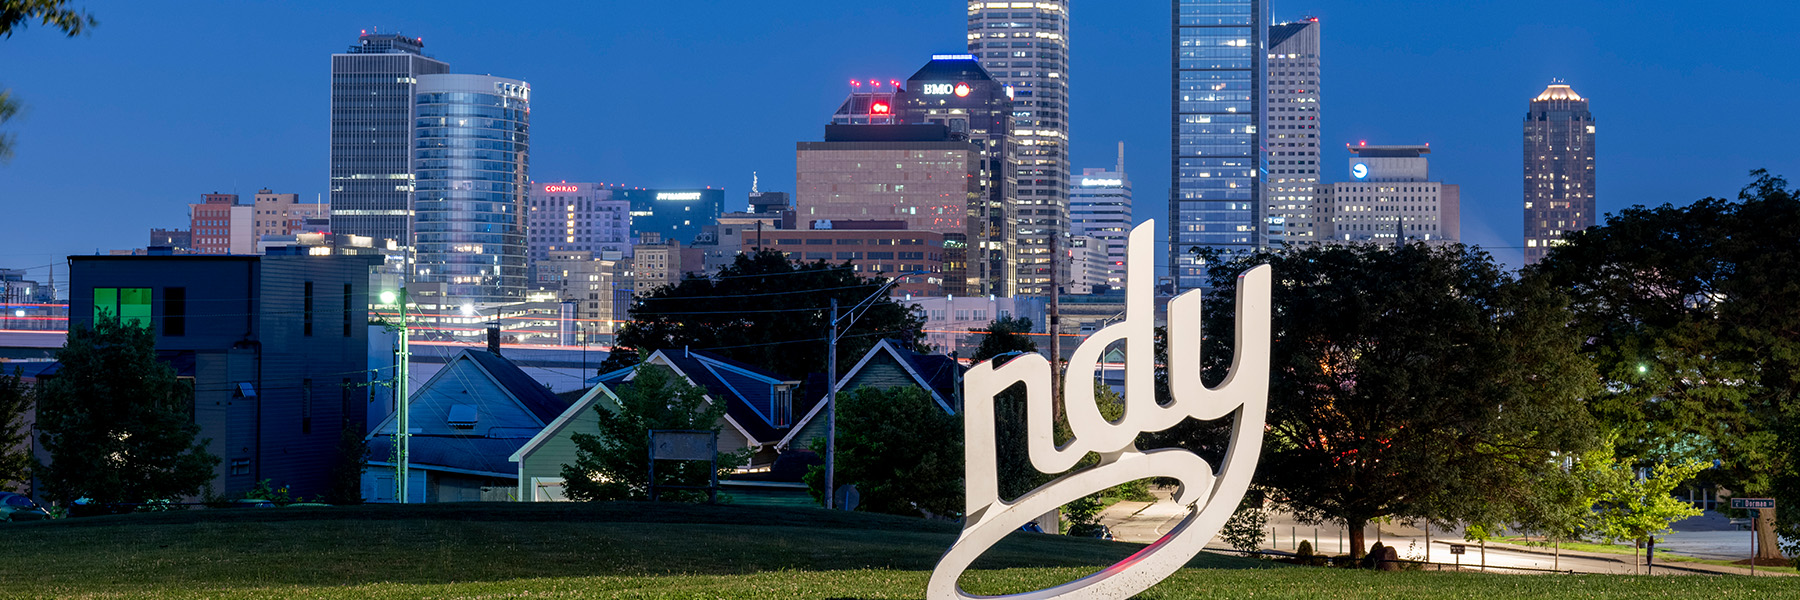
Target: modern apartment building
{"x": 471, "y": 165}
{"x": 1100, "y": 208}
{"x": 673, "y": 214}
{"x": 1291, "y": 139}
{"x": 373, "y": 88}
{"x": 1025, "y": 46}
{"x": 1216, "y": 177}
{"x": 954, "y": 90}
{"x": 1559, "y": 169}
{"x": 1390, "y": 194}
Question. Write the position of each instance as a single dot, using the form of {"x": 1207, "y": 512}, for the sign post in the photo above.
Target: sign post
{"x": 1754, "y": 505}
{"x": 1457, "y": 550}
{"x": 690, "y": 445}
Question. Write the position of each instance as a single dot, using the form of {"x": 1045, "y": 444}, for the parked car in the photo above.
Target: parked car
{"x": 14, "y": 507}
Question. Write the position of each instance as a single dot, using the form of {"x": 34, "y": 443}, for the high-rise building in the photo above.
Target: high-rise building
{"x": 939, "y": 179}
{"x": 679, "y": 215}
{"x": 1291, "y": 138}
{"x": 1025, "y": 46}
{"x": 1216, "y": 172}
{"x": 870, "y": 105}
{"x": 372, "y": 92}
{"x": 1100, "y": 208}
{"x": 953, "y": 90}
{"x": 219, "y": 225}
{"x": 576, "y": 217}
{"x": 285, "y": 214}
{"x": 471, "y": 165}
{"x": 1559, "y": 169}
{"x": 1390, "y": 193}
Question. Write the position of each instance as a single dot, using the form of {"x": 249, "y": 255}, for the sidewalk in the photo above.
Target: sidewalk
{"x": 1626, "y": 559}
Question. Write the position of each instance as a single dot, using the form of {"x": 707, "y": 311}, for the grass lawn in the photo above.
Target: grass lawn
{"x": 631, "y": 550}
{"x": 1661, "y": 556}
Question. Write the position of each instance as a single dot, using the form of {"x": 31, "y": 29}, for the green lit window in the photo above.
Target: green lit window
{"x": 130, "y": 305}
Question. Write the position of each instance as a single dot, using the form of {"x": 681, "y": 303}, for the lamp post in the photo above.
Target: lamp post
{"x": 402, "y": 429}
{"x": 832, "y": 377}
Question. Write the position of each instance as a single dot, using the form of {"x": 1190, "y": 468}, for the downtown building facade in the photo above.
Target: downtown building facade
{"x": 471, "y": 166}
{"x": 373, "y": 90}
{"x": 1390, "y": 198}
{"x": 1100, "y": 208}
{"x": 954, "y": 90}
{"x": 1559, "y": 169}
{"x": 1025, "y": 47}
{"x": 938, "y": 181}
{"x": 1217, "y": 171}
{"x": 674, "y": 214}
{"x": 576, "y": 217}
{"x": 220, "y": 225}
{"x": 285, "y": 214}
{"x": 1291, "y": 137}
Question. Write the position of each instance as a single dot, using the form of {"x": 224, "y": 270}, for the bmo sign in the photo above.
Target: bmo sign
{"x": 960, "y": 90}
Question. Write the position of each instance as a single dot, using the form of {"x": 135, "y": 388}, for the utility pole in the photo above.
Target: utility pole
{"x": 402, "y": 428}
{"x": 831, "y": 413}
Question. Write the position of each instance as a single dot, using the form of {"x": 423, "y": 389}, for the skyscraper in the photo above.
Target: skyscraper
{"x": 568, "y": 217}
{"x": 1100, "y": 208}
{"x": 1026, "y": 46}
{"x": 372, "y": 90}
{"x": 955, "y": 91}
{"x": 1291, "y": 138}
{"x": 472, "y": 162}
{"x": 1217, "y": 172}
{"x": 1559, "y": 169}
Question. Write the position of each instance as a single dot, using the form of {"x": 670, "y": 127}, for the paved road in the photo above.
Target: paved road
{"x": 1145, "y": 522}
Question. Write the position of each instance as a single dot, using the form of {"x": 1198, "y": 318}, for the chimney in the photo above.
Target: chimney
{"x": 493, "y": 338}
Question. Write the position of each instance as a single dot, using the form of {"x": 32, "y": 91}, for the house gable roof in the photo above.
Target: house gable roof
{"x": 937, "y": 375}
{"x": 597, "y": 396}
{"x": 508, "y": 402}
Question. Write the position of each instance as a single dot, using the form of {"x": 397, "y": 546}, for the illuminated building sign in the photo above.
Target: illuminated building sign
{"x": 510, "y": 90}
{"x": 959, "y": 89}
{"x": 1359, "y": 171}
{"x": 678, "y": 195}
{"x": 879, "y": 108}
{"x": 1085, "y": 182}
{"x": 962, "y": 90}
{"x": 561, "y": 188}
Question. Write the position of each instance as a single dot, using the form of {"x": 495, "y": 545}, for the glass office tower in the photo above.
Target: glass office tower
{"x": 372, "y": 89}
{"x": 1026, "y": 46}
{"x": 472, "y": 163}
{"x": 1217, "y": 170}
{"x": 1559, "y": 169}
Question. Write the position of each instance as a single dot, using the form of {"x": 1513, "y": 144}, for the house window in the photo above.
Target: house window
{"x": 240, "y": 466}
{"x": 129, "y": 305}
{"x": 784, "y": 407}
{"x": 174, "y": 311}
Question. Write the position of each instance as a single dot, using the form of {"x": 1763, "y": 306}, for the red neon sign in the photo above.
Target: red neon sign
{"x": 561, "y": 188}
{"x": 879, "y": 108}
{"x": 962, "y": 90}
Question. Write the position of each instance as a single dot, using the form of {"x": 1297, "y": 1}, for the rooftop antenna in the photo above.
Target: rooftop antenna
{"x": 1121, "y": 167}
{"x": 753, "y": 191}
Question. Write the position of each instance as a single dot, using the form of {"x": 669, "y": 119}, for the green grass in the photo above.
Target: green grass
{"x": 1661, "y": 556}
{"x": 656, "y": 551}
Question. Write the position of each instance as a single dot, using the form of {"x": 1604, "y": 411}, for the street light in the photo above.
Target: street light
{"x": 831, "y": 372}
{"x": 402, "y": 427}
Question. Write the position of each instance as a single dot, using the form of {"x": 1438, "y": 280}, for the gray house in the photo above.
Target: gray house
{"x": 888, "y": 365}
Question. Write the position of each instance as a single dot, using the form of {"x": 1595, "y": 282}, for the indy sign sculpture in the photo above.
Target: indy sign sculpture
{"x": 1210, "y": 498}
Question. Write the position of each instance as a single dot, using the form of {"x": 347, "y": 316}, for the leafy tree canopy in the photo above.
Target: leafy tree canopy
{"x": 766, "y": 311}
{"x": 614, "y": 463}
{"x": 15, "y": 456}
{"x": 1418, "y": 382}
{"x": 116, "y": 423}
{"x": 903, "y": 452}
{"x": 1689, "y": 318}
{"x": 17, "y": 14}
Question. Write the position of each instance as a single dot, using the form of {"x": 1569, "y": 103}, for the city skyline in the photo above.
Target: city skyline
{"x": 262, "y": 120}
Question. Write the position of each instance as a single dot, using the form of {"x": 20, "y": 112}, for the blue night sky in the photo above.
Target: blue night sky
{"x": 169, "y": 100}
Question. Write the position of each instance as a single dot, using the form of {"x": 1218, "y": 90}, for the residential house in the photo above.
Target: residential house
{"x": 888, "y": 365}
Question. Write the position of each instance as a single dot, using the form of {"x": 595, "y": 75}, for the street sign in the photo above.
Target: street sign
{"x": 1458, "y": 548}
{"x": 1753, "y": 503}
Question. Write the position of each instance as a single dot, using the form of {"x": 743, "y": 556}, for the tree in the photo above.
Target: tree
{"x": 345, "y": 486}
{"x": 900, "y": 449}
{"x": 1420, "y": 383}
{"x": 18, "y": 14}
{"x": 1013, "y": 468}
{"x": 1636, "y": 508}
{"x": 1244, "y": 532}
{"x": 15, "y": 453}
{"x": 766, "y": 311}
{"x": 1005, "y": 334}
{"x": 116, "y": 423}
{"x": 614, "y": 463}
{"x": 1688, "y": 316}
